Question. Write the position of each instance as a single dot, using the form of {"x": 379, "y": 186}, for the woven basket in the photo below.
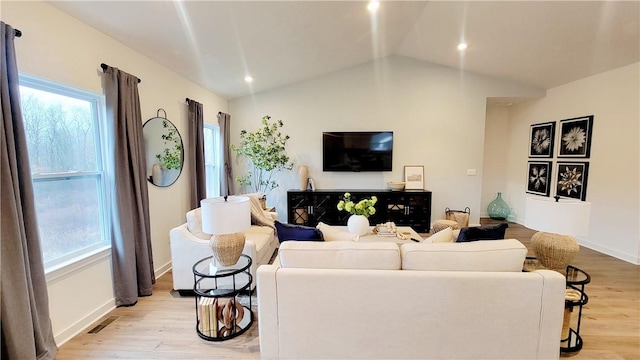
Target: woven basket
{"x": 227, "y": 248}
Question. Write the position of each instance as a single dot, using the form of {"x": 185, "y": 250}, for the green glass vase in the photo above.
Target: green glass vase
{"x": 498, "y": 209}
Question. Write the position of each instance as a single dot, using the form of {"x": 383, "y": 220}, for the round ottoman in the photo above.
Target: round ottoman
{"x": 443, "y": 224}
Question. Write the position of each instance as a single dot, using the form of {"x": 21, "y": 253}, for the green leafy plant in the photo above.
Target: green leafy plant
{"x": 363, "y": 207}
{"x": 171, "y": 157}
{"x": 265, "y": 150}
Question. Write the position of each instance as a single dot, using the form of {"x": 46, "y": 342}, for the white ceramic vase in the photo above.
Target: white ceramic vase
{"x": 156, "y": 174}
{"x": 358, "y": 224}
{"x": 303, "y": 177}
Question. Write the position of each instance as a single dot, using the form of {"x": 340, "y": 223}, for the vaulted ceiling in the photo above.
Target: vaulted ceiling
{"x": 217, "y": 43}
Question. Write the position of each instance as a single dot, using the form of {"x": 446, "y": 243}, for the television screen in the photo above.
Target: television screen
{"x": 357, "y": 151}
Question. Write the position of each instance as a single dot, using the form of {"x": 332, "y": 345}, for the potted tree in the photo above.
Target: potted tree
{"x": 265, "y": 151}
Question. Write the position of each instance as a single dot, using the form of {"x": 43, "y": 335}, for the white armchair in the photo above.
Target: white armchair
{"x": 189, "y": 245}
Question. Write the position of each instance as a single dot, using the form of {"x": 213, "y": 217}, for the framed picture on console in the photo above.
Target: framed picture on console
{"x": 414, "y": 177}
{"x": 539, "y": 177}
{"x": 571, "y": 180}
{"x": 575, "y": 137}
{"x": 541, "y": 137}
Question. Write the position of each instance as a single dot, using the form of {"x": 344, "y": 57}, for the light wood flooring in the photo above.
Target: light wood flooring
{"x": 162, "y": 326}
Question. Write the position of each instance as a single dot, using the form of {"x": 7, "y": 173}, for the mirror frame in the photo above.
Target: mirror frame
{"x": 159, "y": 134}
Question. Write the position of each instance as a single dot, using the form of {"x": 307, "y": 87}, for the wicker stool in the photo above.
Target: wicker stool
{"x": 443, "y": 224}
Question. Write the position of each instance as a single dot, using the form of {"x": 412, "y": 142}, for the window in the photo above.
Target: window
{"x": 63, "y": 130}
{"x": 212, "y": 159}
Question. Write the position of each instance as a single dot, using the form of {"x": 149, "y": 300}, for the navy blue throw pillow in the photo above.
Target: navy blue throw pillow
{"x": 487, "y": 232}
{"x": 297, "y": 232}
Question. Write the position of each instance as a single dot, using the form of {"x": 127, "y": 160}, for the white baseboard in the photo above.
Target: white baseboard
{"x": 611, "y": 252}
{"x": 163, "y": 269}
{"x": 608, "y": 251}
{"x": 82, "y": 324}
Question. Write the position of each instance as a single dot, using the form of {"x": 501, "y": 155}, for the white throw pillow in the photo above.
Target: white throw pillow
{"x": 330, "y": 233}
{"x": 194, "y": 224}
{"x": 445, "y": 235}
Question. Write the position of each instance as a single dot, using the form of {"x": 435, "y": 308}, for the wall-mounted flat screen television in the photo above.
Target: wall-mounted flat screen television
{"x": 357, "y": 151}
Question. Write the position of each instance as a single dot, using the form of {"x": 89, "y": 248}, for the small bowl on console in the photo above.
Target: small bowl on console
{"x": 396, "y": 185}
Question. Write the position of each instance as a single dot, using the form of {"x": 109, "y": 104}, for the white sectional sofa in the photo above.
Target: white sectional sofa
{"x": 356, "y": 300}
{"x": 189, "y": 245}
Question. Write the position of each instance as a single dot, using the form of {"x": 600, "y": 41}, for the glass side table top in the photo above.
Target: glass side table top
{"x": 574, "y": 275}
{"x": 209, "y": 267}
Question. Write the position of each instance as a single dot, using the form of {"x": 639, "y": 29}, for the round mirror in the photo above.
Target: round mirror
{"x": 164, "y": 151}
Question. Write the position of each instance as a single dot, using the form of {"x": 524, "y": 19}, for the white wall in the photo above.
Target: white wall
{"x": 437, "y": 115}
{"x": 57, "y": 47}
{"x": 496, "y": 149}
{"x": 613, "y": 188}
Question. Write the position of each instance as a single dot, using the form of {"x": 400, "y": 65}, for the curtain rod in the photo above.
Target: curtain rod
{"x": 187, "y": 99}
{"x": 17, "y": 32}
{"x": 105, "y": 66}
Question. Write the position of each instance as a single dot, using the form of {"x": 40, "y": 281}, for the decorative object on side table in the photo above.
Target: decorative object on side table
{"x": 498, "y": 209}
{"x": 226, "y": 218}
{"x": 556, "y": 222}
{"x": 358, "y": 222}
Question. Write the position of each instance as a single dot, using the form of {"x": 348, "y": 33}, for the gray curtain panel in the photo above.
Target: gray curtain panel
{"x": 26, "y": 326}
{"x": 133, "y": 274}
{"x": 226, "y": 181}
{"x": 197, "y": 176}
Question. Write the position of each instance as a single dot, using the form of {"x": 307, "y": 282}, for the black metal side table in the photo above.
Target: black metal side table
{"x": 575, "y": 296}
{"x": 219, "y": 314}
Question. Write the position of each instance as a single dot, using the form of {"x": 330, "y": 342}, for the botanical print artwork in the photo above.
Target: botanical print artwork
{"x": 539, "y": 177}
{"x": 541, "y": 138}
{"x": 575, "y": 137}
{"x": 572, "y": 180}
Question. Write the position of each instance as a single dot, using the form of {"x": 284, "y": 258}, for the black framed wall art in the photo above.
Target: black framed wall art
{"x": 541, "y": 138}
{"x": 571, "y": 180}
{"x": 539, "y": 177}
{"x": 575, "y": 137}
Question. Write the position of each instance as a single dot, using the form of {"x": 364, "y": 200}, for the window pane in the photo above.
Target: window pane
{"x": 212, "y": 156}
{"x": 60, "y": 132}
{"x": 68, "y": 215}
{"x": 63, "y": 139}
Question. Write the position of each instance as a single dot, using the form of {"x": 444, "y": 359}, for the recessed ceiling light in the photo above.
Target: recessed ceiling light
{"x": 248, "y": 79}
{"x": 373, "y": 6}
{"x": 462, "y": 46}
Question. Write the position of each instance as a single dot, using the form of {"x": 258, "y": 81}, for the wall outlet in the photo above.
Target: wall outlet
{"x": 471, "y": 172}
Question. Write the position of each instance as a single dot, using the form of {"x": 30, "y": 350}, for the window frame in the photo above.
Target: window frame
{"x": 81, "y": 257}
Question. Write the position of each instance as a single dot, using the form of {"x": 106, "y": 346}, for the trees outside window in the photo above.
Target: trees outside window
{"x": 63, "y": 130}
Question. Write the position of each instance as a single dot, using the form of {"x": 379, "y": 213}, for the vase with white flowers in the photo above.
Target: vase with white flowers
{"x": 358, "y": 222}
